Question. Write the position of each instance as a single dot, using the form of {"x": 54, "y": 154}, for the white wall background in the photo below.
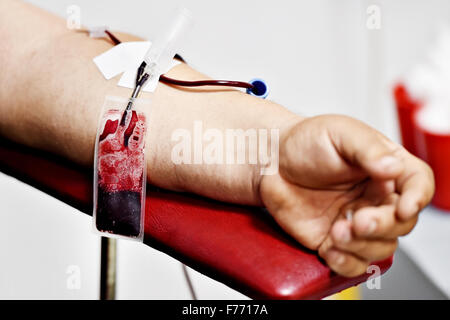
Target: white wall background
{"x": 317, "y": 56}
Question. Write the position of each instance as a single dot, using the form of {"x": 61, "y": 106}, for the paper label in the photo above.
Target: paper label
{"x": 126, "y": 58}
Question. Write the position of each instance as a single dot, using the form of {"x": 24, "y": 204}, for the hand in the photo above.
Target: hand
{"x": 333, "y": 166}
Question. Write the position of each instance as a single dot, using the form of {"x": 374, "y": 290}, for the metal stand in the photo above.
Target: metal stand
{"x": 189, "y": 282}
{"x": 108, "y": 269}
{"x": 108, "y": 265}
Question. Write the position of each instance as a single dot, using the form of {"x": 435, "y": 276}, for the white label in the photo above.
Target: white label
{"x": 125, "y": 58}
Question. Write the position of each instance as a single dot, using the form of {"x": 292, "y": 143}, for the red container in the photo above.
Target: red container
{"x": 432, "y": 147}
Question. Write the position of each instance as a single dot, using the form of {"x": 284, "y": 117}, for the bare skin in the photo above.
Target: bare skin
{"x": 51, "y": 95}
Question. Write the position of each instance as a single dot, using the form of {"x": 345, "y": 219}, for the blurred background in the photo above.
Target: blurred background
{"x": 317, "y": 56}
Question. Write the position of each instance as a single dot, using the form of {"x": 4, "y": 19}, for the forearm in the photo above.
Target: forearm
{"x": 52, "y": 94}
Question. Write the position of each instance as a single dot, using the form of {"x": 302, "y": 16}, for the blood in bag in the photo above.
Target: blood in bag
{"x": 120, "y": 175}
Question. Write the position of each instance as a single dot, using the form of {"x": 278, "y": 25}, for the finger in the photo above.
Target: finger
{"x": 381, "y": 222}
{"x": 416, "y": 187}
{"x": 295, "y": 209}
{"x": 343, "y": 263}
{"x": 370, "y": 250}
{"x": 367, "y": 148}
{"x": 377, "y": 190}
{"x": 347, "y": 211}
{"x": 374, "y": 193}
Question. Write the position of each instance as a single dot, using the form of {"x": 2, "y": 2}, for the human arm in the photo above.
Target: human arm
{"x": 51, "y": 95}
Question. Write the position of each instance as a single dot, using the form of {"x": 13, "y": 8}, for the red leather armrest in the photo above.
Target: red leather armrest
{"x": 237, "y": 245}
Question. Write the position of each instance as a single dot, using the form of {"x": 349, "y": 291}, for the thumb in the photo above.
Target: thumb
{"x": 367, "y": 148}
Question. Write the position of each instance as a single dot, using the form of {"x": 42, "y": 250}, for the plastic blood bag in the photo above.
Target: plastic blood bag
{"x": 120, "y": 175}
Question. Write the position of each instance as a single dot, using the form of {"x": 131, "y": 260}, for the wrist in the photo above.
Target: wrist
{"x": 230, "y": 182}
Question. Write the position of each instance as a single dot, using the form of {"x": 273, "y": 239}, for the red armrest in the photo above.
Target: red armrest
{"x": 237, "y": 245}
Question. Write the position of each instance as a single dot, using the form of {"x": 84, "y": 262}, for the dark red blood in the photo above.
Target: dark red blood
{"x": 120, "y": 176}
{"x": 119, "y": 212}
{"x": 131, "y": 126}
{"x": 110, "y": 127}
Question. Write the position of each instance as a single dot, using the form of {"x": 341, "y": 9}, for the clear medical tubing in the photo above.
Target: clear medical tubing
{"x": 159, "y": 57}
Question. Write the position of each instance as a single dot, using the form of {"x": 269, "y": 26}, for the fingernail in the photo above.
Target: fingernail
{"x": 371, "y": 227}
{"x": 389, "y": 162}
